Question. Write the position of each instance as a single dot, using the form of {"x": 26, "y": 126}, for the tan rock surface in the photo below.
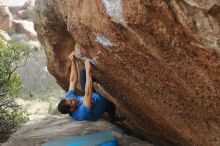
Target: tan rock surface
{"x": 5, "y": 35}
{"x": 23, "y": 12}
{"x": 202, "y": 17}
{"x": 52, "y": 128}
{"x": 5, "y": 16}
{"x": 29, "y": 4}
{"x": 157, "y": 59}
{"x": 24, "y": 27}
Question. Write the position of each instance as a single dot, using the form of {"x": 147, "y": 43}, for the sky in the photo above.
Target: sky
{"x": 15, "y": 2}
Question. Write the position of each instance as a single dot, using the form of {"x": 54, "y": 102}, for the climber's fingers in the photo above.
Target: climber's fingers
{"x": 72, "y": 55}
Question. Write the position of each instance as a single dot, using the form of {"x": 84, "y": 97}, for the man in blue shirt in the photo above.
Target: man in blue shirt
{"x": 92, "y": 105}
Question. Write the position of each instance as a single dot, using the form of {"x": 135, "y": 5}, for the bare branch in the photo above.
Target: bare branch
{"x": 18, "y": 66}
{"x": 2, "y": 94}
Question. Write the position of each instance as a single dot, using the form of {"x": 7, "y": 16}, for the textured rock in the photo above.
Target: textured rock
{"x": 203, "y": 4}
{"x": 5, "y": 35}
{"x": 23, "y": 12}
{"x": 29, "y": 5}
{"x": 38, "y": 132}
{"x": 158, "y": 60}
{"x": 202, "y": 17}
{"x": 24, "y": 27}
{"x": 5, "y": 16}
{"x": 15, "y": 10}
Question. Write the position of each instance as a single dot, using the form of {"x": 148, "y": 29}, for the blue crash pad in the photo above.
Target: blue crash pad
{"x": 103, "y": 138}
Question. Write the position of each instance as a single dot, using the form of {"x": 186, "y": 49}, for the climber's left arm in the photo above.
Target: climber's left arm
{"x": 73, "y": 73}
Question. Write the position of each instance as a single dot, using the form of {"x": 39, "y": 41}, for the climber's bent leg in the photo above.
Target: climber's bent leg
{"x": 110, "y": 109}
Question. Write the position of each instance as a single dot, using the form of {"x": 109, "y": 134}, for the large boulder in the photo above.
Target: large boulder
{"x": 52, "y": 128}
{"x": 158, "y": 60}
{"x": 29, "y": 5}
{"x": 4, "y": 35}
{"x": 5, "y": 16}
{"x": 23, "y": 12}
{"x": 25, "y": 27}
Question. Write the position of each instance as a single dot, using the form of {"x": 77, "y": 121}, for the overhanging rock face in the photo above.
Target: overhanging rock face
{"x": 157, "y": 59}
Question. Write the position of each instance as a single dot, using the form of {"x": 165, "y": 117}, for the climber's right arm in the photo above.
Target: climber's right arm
{"x": 87, "y": 100}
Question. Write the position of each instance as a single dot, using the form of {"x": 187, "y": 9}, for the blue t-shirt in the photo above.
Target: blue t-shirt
{"x": 84, "y": 113}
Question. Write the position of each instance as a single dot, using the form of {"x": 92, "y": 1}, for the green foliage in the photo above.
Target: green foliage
{"x": 27, "y": 14}
{"x": 11, "y": 115}
{"x": 53, "y": 109}
{"x": 11, "y": 31}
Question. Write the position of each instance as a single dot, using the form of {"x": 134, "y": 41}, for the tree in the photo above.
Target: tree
{"x": 13, "y": 55}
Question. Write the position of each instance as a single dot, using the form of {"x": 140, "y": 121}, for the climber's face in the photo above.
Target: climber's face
{"x": 72, "y": 103}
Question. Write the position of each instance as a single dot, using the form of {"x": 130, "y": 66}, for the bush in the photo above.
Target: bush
{"x": 11, "y": 31}
{"x": 52, "y": 110}
{"x": 11, "y": 115}
{"x": 27, "y": 15}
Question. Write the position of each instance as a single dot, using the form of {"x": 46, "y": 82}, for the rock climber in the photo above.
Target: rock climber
{"x": 92, "y": 105}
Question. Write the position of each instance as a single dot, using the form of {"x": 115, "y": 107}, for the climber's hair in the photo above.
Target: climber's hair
{"x": 63, "y": 107}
